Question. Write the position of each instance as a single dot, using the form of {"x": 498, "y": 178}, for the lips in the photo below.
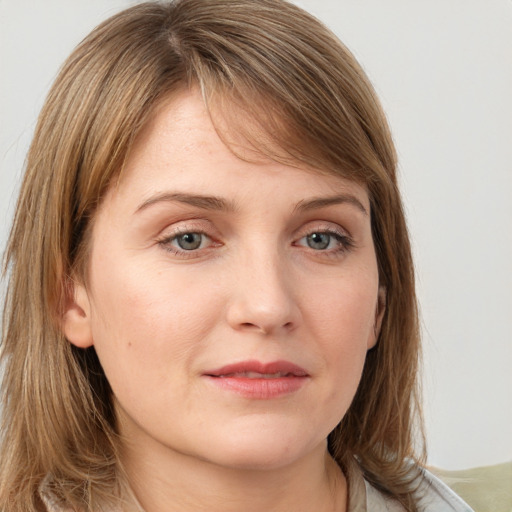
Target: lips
{"x": 255, "y": 369}
{"x": 255, "y": 375}
{"x": 256, "y": 380}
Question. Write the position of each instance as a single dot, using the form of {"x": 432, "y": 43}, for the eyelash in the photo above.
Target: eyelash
{"x": 165, "y": 242}
{"x": 344, "y": 242}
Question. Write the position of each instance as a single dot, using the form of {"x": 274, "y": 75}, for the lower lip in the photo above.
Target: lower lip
{"x": 260, "y": 389}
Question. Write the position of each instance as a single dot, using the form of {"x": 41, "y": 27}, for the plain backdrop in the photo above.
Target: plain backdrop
{"x": 443, "y": 70}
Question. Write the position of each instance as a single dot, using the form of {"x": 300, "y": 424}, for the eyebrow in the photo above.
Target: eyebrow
{"x": 322, "y": 202}
{"x": 199, "y": 201}
{"x": 219, "y": 204}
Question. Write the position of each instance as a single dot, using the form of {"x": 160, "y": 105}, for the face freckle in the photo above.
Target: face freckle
{"x": 231, "y": 312}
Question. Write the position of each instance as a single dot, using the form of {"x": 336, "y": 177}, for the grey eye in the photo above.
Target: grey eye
{"x": 318, "y": 241}
{"x": 189, "y": 241}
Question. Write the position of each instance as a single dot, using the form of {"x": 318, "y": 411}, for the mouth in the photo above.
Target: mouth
{"x": 255, "y": 375}
{"x": 256, "y": 380}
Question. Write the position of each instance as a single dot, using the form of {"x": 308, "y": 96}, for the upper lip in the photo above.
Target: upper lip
{"x": 284, "y": 368}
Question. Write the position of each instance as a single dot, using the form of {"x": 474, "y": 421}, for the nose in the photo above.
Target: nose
{"x": 263, "y": 299}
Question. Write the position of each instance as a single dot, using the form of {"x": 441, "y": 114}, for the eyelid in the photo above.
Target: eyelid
{"x": 188, "y": 225}
{"x": 323, "y": 227}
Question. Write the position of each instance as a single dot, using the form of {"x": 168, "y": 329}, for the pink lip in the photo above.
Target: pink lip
{"x": 277, "y": 378}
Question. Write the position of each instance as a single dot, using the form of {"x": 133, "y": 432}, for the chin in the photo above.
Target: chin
{"x": 258, "y": 450}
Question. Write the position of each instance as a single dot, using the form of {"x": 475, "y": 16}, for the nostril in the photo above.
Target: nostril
{"x": 265, "y": 329}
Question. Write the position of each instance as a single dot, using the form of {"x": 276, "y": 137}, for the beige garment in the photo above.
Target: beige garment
{"x": 362, "y": 497}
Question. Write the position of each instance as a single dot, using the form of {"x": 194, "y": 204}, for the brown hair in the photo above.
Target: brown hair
{"x": 315, "y": 108}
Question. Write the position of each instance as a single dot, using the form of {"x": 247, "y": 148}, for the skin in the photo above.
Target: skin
{"x": 261, "y": 285}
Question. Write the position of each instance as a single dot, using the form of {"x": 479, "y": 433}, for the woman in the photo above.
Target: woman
{"x": 211, "y": 301}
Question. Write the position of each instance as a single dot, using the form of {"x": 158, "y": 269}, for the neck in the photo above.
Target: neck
{"x": 164, "y": 482}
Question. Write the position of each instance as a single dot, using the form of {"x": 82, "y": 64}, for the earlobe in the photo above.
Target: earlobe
{"x": 379, "y": 315}
{"x": 76, "y": 318}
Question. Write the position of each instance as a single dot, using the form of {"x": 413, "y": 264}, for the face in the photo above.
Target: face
{"x": 231, "y": 303}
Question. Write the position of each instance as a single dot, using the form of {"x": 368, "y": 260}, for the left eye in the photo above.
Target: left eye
{"x": 321, "y": 241}
{"x": 189, "y": 241}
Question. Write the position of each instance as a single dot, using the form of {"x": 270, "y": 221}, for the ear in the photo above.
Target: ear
{"x": 76, "y": 317}
{"x": 379, "y": 315}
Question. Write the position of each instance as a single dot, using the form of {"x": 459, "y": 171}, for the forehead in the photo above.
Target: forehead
{"x": 181, "y": 147}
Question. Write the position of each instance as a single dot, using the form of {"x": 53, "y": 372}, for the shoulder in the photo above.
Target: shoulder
{"x": 433, "y": 496}
{"x": 436, "y": 496}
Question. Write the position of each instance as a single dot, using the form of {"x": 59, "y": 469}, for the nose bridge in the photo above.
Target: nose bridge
{"x": 263, "y": 298}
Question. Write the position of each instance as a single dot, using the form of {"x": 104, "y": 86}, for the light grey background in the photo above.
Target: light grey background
{"x": 443, "y": 69}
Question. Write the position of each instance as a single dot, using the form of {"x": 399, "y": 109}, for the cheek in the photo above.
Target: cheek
{"x": 145, "y": 322}
{"x": 345, "y": 308}
{"x": 342, "y": 317}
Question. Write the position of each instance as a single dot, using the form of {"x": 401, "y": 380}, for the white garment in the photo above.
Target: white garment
{"x": 435, "y": 495}
{"x": 440, "y": 498}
